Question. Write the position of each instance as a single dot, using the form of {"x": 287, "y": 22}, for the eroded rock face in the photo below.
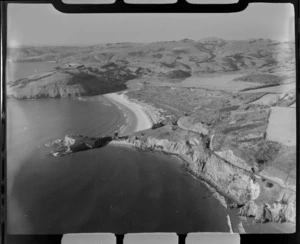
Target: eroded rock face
{"x": 249, "y": 209}
{"x": 275, "y": 212}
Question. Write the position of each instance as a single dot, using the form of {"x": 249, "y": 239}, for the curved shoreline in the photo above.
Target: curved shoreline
{"x": 139, "y": 118}
{"x": 132, "y": 110}
{"x": 136, "y": 118}
{"x": 216, "y": 194}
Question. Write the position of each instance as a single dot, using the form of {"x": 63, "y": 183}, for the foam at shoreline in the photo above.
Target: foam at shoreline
{"x": 136, "y": 117}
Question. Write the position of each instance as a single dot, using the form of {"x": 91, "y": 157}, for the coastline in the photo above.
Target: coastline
{"x": 214, "y": 192}
{"x": 141, "y": 116}
{"x": 138, "y": 117}
{"x": 236, "y": 223}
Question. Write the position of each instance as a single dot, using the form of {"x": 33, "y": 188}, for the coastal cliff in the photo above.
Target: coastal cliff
{"x": 226, "y": 146}
{"x": 254, "y": 195}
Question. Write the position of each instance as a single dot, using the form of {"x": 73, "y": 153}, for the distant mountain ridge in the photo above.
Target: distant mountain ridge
{"x": 116, "y": 63}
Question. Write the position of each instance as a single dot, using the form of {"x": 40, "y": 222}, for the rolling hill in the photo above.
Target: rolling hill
{"x": 98, "y": 69}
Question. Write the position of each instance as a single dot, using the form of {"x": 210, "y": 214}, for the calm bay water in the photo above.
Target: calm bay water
{"x": 15, "y": 71}
{"x": 112, "y": 189}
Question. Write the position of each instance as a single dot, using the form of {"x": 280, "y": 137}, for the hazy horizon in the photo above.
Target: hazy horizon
{"x": 48, "y": 27}
{"x": 94, "y": 44}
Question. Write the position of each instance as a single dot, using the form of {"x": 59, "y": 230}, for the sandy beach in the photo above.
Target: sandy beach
{"x": 138, "y": 115}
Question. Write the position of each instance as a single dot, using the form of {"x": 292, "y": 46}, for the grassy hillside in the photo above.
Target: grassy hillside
{"x": 111, "y": 65}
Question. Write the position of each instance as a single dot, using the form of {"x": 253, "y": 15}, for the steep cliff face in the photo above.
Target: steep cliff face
{"x": 228, "y": 174}
{"x": 69, "y": 82}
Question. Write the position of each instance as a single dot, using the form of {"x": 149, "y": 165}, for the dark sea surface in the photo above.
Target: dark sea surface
{"x": 111, "y": 189}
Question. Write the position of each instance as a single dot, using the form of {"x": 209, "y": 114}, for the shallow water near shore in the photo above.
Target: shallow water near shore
{"x": 112, "y": 189}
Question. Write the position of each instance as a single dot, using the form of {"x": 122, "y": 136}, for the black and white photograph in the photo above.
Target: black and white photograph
{"x": 151, "y": 122}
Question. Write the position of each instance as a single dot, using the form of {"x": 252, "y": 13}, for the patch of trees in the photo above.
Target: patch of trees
{"x": 157, "y": 125}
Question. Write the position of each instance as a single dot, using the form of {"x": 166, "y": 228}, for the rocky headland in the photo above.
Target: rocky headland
{"x": 76, "y": 143}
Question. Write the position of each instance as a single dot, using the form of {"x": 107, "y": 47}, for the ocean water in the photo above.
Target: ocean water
{"x": 15, "y": 71}
{"x": 111, "y": 189}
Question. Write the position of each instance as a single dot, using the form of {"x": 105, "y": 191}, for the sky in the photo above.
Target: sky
{"x": 42, "y": 24}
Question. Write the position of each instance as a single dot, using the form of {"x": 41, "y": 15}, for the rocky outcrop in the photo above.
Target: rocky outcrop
{"x": 75, "y": 143}
{"x": 279, "y": 211}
